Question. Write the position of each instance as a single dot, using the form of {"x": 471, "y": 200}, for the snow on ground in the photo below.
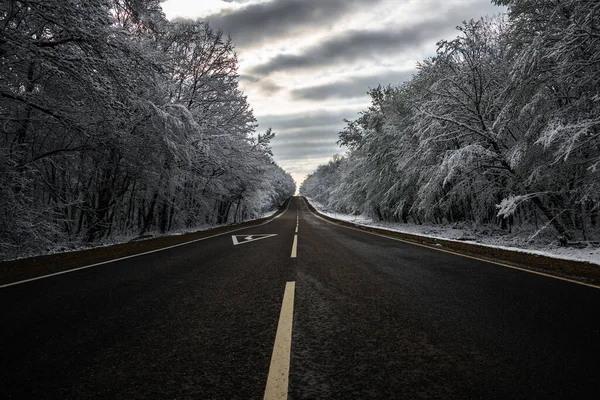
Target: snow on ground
{"x": 77, "y": 245}
{"x": 268, "y": 214}
{"x": 466, "y": 233}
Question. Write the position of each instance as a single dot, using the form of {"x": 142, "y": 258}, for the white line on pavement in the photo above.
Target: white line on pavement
{"x": 560, "y": 278}
{"x": 140, "y": 254}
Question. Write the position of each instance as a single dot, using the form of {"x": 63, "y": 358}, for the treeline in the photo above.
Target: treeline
{"x": 117, "y": 122}
{"x": 501, "y": 127}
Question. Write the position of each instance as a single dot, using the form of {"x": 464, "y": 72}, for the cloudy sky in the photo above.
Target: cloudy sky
{"x": 307, "y": 64}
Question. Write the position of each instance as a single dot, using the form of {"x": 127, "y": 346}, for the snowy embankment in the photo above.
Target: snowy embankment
{"x": 464, "y": 233}
{"x": 63, "y": 259}
{"x": 124, "y": 239}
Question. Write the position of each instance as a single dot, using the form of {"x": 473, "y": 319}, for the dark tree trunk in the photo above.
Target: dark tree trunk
{"x": 150, "y": 214}
{"x": 565, "y": 236}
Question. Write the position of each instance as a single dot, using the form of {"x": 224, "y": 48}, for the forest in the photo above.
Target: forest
{"x": 117, "y": 123}
{"x": 500, "y": 127}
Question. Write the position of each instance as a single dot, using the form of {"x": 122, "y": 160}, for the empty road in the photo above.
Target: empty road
{"x": 356, "y": 316}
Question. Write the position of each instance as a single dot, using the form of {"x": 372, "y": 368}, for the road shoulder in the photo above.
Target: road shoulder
{"x": 571, "y": 270}
{"x": 32, "y": 267}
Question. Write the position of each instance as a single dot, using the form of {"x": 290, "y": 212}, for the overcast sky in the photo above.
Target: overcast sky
{"x": 307, "y": 64}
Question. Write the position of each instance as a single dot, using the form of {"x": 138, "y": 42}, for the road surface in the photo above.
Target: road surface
{"x": 363, "y": 317}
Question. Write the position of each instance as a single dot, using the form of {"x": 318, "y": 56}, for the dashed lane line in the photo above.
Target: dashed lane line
{"x": 295, "y": 247}
{"x": 279, "y": 370}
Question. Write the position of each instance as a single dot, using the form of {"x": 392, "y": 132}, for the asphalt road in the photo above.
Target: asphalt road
{"x": 372, "y": 318}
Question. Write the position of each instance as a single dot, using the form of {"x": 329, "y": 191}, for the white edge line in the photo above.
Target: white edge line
{"x": 459, "y": 254}
{"x": 140, "y": 254}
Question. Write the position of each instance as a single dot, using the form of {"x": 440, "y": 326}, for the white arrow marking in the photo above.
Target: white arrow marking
{"x": 241, "y": 239}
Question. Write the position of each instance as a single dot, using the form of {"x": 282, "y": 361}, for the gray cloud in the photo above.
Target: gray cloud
{"x": 297, "y": 122}
{"x": 305, "y": 166}
{"x": 307, "y": 143}
{"x": 265, "y": 85}
{"x": 257, "y": 23}
{"x": 306, "y": 150}
{"x": 353, "y": 46}
{"x": 358, "y": 45}
{"x": 269, "y": 87}
{"x": 349, "y": 88}
{"x": 307, "y": 135}
{"x": 305, "y": 139}
{"x": 249, "y": 78}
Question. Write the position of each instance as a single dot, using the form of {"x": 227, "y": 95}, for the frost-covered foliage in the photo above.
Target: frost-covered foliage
{"x": 502, "y": 127}
{"x": 117, "y": 122}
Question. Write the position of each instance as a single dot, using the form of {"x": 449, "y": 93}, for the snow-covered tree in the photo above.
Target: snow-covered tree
{"x": 116, "y": 122}
{"x": 500, "y": 127}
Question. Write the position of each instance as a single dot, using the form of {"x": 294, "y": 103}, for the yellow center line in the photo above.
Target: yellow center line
{"x": 295, "y": 247}
{"x": 279, "y": 370}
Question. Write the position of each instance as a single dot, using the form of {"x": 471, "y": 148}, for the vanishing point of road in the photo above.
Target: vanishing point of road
{"x": 299, "y": 308}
